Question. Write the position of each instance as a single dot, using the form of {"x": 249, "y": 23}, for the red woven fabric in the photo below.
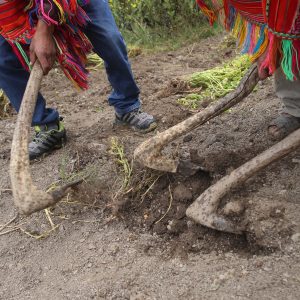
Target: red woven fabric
{"x": 279, "y": 15}
{"x": 18, "y": 19}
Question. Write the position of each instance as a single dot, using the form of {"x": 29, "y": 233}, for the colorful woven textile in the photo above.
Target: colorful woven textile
{"x": 18, "y": 19}
{"x": 260, "y": 26}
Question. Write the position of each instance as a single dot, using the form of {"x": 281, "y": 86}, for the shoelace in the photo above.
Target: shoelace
{"x": 41, "y": 136}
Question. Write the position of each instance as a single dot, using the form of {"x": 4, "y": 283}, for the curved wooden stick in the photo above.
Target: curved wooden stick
{"x": 204, "y": 209}
{"x": 149, "y": 152}
{"x": 26, "y": 196}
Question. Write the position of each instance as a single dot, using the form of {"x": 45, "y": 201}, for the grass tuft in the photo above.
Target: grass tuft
{"x": 117, "y": 150}
{"x": 4, "y": 106}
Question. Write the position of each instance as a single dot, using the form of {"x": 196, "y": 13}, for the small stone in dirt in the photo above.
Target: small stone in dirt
{"x": 182, "y": 194}
{"x": 234, "y": 208}
{"x": 160, "y": 228}
{"x": 236, "y": 128}
{"x": 91, "y": 247}
{"x": 180, "y": 212}
{"x": 211, "y": 139}
{"x": 277, "y": 212}
{"x": 187, "y": 168}
{"x": 114, "y": 249}
{"x": 138, "y": 296}
{"x": 187, "y": 138}
{"x": 296, "y": 237}
{"x": 176, "y": 226}
{"x": 296, "y": 160}
{"x": 282, "y": 192}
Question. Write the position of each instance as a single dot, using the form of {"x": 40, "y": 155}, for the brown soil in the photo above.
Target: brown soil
{"x": 140, "y": 245}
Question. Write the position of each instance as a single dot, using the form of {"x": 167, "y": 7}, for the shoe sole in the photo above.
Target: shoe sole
{"x": 151, "y": 127}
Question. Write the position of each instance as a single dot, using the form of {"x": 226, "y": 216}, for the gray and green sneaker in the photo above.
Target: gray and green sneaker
{"x": 137, "y": 120}
{"x": 47, "y": 138}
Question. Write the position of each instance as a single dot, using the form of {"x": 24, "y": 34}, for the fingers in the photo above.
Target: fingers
{"x": 46, "y": 60}
{"x": 32, "y": 56}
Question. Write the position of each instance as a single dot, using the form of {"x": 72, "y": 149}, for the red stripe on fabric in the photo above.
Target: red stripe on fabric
{"x": 283, "y": 20}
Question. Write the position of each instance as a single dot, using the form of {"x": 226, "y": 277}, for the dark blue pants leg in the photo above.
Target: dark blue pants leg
{"x": 108, "y": 43}
{"x": 13, "y": 80}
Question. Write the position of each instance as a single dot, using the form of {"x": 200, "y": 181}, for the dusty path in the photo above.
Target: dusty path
{"x": 93, "y": 255}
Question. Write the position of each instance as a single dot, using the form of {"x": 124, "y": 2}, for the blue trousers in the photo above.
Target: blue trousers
{"x": 107, "y": 42}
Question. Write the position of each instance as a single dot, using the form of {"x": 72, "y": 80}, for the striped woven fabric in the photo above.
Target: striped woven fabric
{"x": 260, "y": 26}
{"x": 18, "y": 19}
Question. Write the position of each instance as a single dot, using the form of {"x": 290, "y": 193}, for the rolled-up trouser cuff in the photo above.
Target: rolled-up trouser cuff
{"x": 289, "y": 93}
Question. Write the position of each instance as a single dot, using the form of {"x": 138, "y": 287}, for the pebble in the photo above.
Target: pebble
{"x": 114, "y": 249}
{"x": 91, "y": 247}
{"x": 211, "y": 139}
{"x": 296, "y": 237}
{"x": 234, "y": 208}
{"x": 296, "y": 160}
{"x": 187, "y": 138}
{"x": 89, "y": 265}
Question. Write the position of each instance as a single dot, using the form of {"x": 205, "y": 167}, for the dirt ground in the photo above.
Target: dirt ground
{"x": 101, "y": 244}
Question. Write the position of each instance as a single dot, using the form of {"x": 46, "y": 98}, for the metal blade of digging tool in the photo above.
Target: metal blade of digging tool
{"x": 204, "y": 209}
{"x": 149, "y": 152}
{"x": 27, "y": 197}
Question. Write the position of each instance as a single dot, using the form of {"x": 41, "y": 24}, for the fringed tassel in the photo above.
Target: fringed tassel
{"x": 273, "y": 56}
{"x": 261, "y": 44}
{"x": 21, "y": 54}
{"x": 207, "y": 11}
{"x": 255, "y": 38}
{"x": 287, "y": 60}
{"x": 72, "y": 55}
{"x": 67, "y": 11}
{"x": 249, "y": 37}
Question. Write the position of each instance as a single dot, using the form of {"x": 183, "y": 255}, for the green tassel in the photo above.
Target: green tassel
{"x": 24, "y": 55}
{"x": 287, "y": 61}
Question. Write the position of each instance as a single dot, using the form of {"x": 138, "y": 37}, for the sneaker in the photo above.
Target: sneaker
{"x": 47, "y": 138}
{"x": 137, "y": 120}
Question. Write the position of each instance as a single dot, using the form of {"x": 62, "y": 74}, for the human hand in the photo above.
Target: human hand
{"x": 43, "y": 47}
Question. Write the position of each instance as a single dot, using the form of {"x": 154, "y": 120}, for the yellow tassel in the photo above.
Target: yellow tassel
{"x": 243, "y": 33}
{"x": 61, "y": 12}
{"x": 237, "y": 26}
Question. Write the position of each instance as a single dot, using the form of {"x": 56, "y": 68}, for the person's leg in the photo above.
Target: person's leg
{"x": 289, "y": 92}
{"x": 289, "y": 118}
{"x": 50, "y": 133}
{"x": 109, "y": 44}
{"x": 13, "y": 80}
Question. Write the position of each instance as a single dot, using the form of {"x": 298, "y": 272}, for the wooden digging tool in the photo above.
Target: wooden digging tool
{"x": 26, "y": 195}
{"x": 204, "y": 209}
{"x": 149, "y": 152}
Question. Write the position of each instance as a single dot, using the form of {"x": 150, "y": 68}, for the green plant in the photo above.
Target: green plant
{"x": 159, "y": 24}
{"x": 216, "y": 82}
